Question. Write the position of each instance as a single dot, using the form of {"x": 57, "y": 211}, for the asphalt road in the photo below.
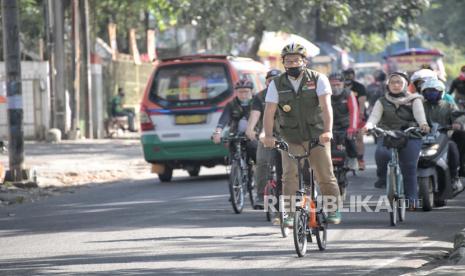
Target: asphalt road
{"x": 143, "y": 227}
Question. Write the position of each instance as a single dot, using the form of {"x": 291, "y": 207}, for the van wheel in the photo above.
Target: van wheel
{"x": 195, "y": 171}
{"x": 166, "y": 175}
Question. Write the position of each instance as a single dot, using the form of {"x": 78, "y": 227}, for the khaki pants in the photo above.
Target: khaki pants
{"x": 320, "y": 162}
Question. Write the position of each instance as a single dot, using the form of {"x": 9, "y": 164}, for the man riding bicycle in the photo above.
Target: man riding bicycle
{"x": 265, "y": 156}
{"x": 302, "y": 98}
{"x": 236, "y": 114}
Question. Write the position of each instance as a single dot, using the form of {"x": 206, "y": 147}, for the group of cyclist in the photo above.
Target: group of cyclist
{"x": 302, "y": 106}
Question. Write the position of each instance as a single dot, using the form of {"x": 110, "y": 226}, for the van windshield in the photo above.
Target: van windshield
{"x": 195, "y": 84}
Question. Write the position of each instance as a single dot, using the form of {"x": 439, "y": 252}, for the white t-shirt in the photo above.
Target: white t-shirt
{"x": 322, "y": 88}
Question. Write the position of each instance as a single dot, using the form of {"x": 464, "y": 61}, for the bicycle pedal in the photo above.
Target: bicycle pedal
{"x": 309, "y": 238}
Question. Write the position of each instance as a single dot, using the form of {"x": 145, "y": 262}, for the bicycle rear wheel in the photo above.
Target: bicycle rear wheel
{"x": 236, "y": 189}
{"x": 300, "y": 232}
{"x": 269, "y": 191}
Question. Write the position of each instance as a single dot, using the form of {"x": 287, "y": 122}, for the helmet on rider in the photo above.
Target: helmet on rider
{"x": 337, "y": 83}
{"x": 273, "y": 73}
{"x": 294, "y": 59}
{"x": 243, "y": 83}
{"x": 432, "y": 90}
{"x": 294, "y": 49}
{"x": 420, "y": 76}
{"x": 244, "y": 91}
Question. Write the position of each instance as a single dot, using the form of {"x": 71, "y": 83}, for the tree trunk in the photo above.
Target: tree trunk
{"x": 323, "y": 33}
{"x": 259, "y": 29}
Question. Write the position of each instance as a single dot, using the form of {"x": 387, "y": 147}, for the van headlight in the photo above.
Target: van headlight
{"x": 430, "y": 151}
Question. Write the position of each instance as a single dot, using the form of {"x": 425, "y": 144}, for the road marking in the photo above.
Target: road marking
{"x": 402, "y": 255}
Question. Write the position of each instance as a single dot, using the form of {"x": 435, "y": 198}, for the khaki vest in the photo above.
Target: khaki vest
{"x": 300, "y": 114}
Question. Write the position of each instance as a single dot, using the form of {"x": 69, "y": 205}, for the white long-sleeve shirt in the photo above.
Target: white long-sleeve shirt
{"x": 417, "y": 108}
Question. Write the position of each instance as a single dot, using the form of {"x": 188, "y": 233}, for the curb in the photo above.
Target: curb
{"x": 457, "y": 256}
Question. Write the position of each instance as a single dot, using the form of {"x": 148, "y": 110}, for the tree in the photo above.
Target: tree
{"x": 336, "y": 21}
{"x": 444, "y": 22}
{"x": 131, "y": 14}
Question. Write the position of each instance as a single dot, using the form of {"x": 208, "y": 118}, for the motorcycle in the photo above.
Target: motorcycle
{"x": 434, "y": 179}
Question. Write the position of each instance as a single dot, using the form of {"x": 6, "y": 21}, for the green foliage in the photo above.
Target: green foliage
{"x": 444, "y": 21}
{"x": 371, "y": 23}
{"x": 130, "y": 14}
{"x": 31, "y": 24}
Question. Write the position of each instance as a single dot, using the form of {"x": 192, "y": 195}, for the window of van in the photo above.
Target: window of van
{"x": 191, "y": 84}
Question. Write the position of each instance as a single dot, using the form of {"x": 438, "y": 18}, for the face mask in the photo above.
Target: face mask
{"x": 294, "y": 71}
{"x": 338, "y": 91}
{"x": 432, "y": 96}
{"x": 244, "y": 102}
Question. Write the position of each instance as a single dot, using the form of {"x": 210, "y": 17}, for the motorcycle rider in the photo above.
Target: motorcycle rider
{"x": 439, "y": 111}
{"x": 419, "y": 77}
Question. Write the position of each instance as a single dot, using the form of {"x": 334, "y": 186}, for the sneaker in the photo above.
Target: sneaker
{"x": 276, "y": 221}
{"x": 361, "y": 165}
{"x": 334, "y": 217}
{"x": 352, "y": 164}
{"x": 259, "y": 204}
{"x": 288, "y": 222}
{"x": 380, "y": 184}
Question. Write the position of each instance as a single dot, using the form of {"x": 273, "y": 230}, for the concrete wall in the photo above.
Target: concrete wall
{"x": 36, "y": 100}
{"x": 133, "y": 78}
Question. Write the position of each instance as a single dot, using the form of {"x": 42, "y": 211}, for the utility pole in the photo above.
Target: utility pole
{"x": 87, "y": 75}
{"x": 59, "y": 72}
{"x": 76, "y": 66}
{"x": 10, "y": 15}
{"x": 50, "y": 55}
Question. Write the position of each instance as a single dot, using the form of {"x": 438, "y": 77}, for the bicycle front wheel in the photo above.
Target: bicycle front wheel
{"x": 300, "y": 232}
{"x": 321, "y": 231}
{"x": 391, "y": 193}
{"x": 236, "y": 189}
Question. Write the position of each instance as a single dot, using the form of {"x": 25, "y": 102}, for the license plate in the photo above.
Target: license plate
{"x": 190, "y": 119}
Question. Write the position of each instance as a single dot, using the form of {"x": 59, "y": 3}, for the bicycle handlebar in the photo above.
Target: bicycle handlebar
{"x": 284, "y": 146}
{"x": 379, "y": 131}
{"x": 236, "y": 138}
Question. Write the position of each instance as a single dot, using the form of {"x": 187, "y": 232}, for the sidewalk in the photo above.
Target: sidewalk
{"x": 72, "y": 163}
